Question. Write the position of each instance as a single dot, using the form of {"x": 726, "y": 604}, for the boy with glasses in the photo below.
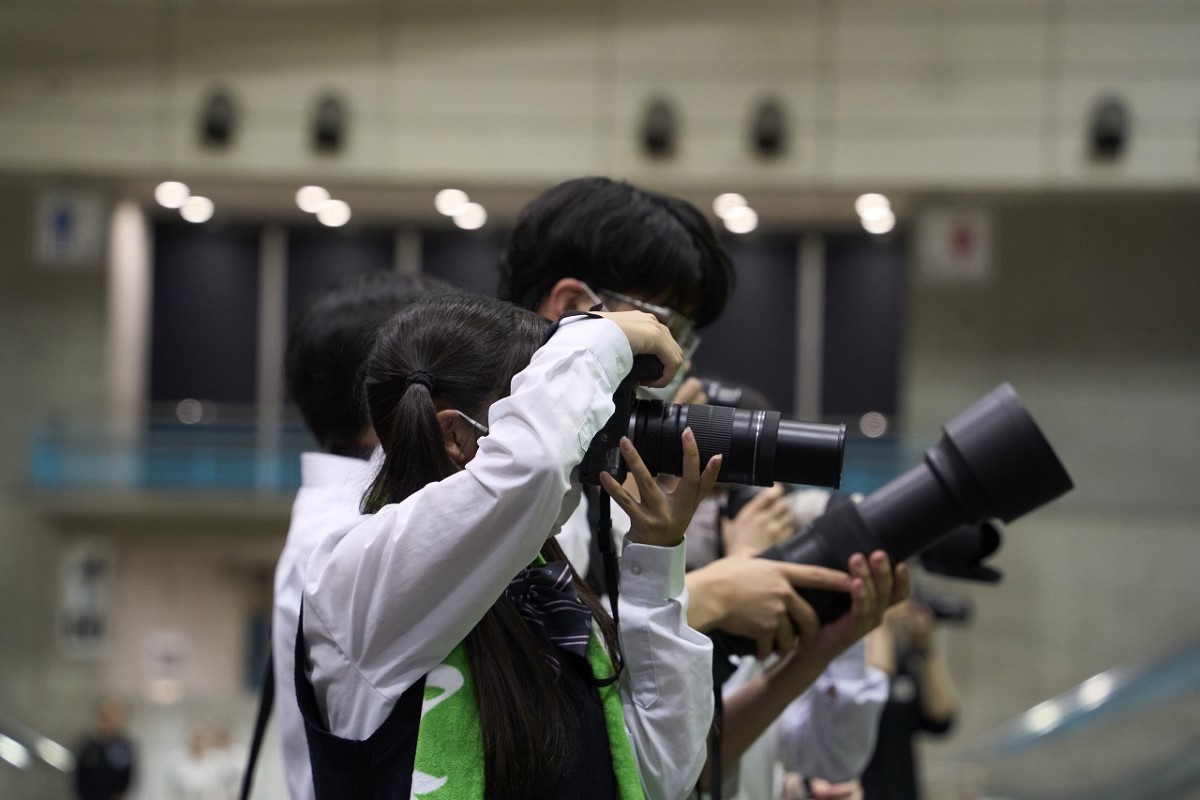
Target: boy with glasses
{"x": 592, "y": 242}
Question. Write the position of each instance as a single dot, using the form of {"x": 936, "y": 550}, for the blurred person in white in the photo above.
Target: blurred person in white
{"x": 226, "y": 760}
{"x": 328, "y": 342}
{"x": 454, "y": 582}
{"x": 196, "y": 773}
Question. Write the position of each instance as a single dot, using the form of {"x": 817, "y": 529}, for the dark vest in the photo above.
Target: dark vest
{"x": 380, "y": 767}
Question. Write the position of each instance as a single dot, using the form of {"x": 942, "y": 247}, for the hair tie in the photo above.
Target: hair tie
{"x": 421, "y": 377}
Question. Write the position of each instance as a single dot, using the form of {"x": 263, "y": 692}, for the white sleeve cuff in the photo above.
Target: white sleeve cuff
{"x": 652, "y": 575}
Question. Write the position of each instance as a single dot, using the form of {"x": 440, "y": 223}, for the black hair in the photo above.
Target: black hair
{"x": 530, "y": 730}
{"x": 612, "y": 235}
{"x": 328, "y": 341}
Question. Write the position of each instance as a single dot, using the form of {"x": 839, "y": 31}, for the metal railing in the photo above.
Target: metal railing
{"x": 1125, "y": 698}
{"x": 22, "y": 747}
{"x": 166, "y": 456}
{"x": 240, "y": 457}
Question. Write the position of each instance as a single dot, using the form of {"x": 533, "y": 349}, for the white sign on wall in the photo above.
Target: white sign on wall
{"x": 69, "y": 229}
{"x": 165, "y": 653}
{"x": 85, "y": 596}
{"x": 954, "y": 244}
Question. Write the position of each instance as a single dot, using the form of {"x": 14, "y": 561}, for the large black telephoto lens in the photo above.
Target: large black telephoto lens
{"x": 991, "y": 462}
{"x": 760, "y": 447}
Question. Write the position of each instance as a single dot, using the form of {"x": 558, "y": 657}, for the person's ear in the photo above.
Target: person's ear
{"x": 569, "y": 294}
{"x": 458, "y": 437}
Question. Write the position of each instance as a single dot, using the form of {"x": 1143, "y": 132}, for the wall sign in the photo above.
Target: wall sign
{"x": 85, "y": 595}
{"x": 69, "y": 229}
{"x": 954, "y": 245}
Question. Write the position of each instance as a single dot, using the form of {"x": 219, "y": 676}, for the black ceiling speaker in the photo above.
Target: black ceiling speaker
{"x": 1108, "y": 132}
{"x": 768, "y": 131}
{"x": 218, "y": 118}
{"x": 660, "y": 128}
{"x": 329, "y": 123}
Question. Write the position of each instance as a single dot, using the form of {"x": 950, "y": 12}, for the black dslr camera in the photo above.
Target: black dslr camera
{"x": 759, "y": 447}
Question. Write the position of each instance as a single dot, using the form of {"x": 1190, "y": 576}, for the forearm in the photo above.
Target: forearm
{"x": 706, "y": 607}
{"x": 939, "y": 698}
{"x": 750, "y": 710}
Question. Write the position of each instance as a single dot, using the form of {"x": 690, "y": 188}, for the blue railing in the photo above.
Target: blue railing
{"x": 166, "y": 457}
{"x": 1099, "y": 700}
{"x": 1154, "y": 701}
{"x": 169, "y": 456}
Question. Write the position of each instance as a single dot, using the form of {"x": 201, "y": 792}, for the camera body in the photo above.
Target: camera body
{"x": 759, "y": 447}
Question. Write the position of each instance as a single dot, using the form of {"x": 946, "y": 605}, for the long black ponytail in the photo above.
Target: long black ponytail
{"x": 462, "y": 352}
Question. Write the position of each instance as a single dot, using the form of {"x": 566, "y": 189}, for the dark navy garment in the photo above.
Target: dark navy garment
{"x": 380, "y": 767}
{"x": 892, "y": 773}
{"x": 104, "y": 768}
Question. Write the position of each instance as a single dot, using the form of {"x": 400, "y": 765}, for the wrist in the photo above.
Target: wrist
{"x": 801, "y": 670}
{"x": 705, "y": 608}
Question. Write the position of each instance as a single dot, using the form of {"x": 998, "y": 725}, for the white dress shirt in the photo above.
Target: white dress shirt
{"x": 829, "y": 731}
{"x": 331, "y": 488}
{"x": 387, "y": 599}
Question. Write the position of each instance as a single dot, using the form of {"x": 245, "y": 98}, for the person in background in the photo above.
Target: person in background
{"x": 923, "y": 699}
{"x": 328, "y": 342}
{"x": 105, "y": 760}
{"x": 193, "y": 772}
{"x": 226, "y": 760}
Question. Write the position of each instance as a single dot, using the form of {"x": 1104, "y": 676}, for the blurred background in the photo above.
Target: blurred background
{"x": 932, "y": 197}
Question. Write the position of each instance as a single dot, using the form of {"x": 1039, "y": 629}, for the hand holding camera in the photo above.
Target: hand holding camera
{"x": 657, "y": 517}
{"x": 648, "y": 336}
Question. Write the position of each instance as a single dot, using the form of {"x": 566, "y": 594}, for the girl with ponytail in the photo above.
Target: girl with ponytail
{"x": 446, "y": 648}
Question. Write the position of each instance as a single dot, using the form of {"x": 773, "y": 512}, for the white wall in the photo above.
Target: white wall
{"x": 1090, "y": 314}
{"x": 895, "y": 93}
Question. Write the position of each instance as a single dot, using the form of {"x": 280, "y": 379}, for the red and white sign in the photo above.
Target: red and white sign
{"x": 954, "y": 244}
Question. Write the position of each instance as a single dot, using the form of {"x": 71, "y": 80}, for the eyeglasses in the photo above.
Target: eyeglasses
{"x": 682, "y": 327}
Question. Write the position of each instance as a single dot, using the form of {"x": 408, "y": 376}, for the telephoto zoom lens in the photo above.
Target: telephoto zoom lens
{"x": 992, "y": 461}
{"x": 760, "y": 447}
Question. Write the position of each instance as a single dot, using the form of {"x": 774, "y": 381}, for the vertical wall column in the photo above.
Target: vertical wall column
{"x": 810, "y": 332}
{"x": 408, "y": 251}
{"x": 130, "y": 260}
{"x": 272, "y": 300}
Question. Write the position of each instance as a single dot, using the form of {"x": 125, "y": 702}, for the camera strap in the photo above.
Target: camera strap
{"x": 266, "y": 701}
{"x": 554, "y": 326}
{"x": 604, "y": 540}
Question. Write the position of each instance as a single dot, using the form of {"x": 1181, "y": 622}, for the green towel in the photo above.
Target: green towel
{"x": 449, "y": 759}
